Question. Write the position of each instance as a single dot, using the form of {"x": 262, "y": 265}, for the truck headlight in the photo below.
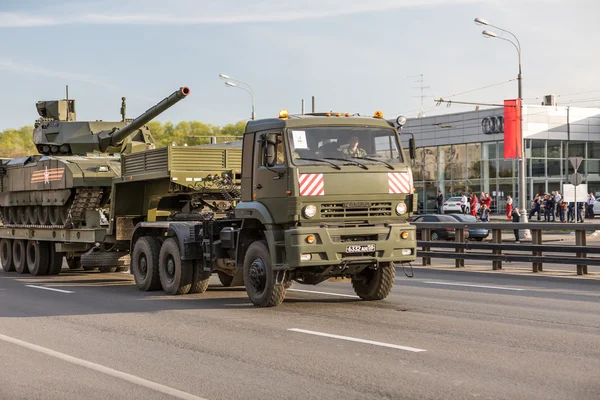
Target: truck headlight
{"x": 401, "y": 208}
{"x": 309, "y": 211}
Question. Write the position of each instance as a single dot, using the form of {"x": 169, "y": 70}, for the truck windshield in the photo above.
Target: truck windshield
{"x": 369, "y": 145}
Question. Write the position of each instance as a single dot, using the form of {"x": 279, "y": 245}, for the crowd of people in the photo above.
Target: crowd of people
{"x": 556, "y": 207}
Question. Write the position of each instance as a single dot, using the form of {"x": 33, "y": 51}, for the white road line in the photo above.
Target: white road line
{"x": 351, "y": 339}
{"x": 476, "y": 286}
{"x": 49, "y": 288}
{"x": 105, "y": 370}
{"x": 328, "y": 293}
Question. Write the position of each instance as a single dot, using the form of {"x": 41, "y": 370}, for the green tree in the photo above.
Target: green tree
{"x": 16, "y": 143}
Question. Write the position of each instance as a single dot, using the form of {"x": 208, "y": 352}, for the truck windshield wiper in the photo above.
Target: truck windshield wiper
{"x": 363, "y": 166}
{"x": 334, "y": 165}
{"x": 390, "y": 166}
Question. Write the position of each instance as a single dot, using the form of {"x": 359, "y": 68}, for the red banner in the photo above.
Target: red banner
{"x": 512, "y": 129}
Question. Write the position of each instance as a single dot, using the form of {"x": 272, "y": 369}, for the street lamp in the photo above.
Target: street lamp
{"x": 230, "y": 83}
{"x": 522, "y": 163}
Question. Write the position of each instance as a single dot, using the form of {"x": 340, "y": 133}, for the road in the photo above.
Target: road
{"x": 441, "y": 335}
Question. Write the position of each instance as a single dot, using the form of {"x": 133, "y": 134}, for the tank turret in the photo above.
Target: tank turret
{"x": 58, "y": 132}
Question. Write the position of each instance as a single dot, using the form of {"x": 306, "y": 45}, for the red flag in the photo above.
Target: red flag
{"x": 512, "y": 129}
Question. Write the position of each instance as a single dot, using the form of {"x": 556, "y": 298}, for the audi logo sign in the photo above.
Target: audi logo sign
{"x": 491, "y": 125}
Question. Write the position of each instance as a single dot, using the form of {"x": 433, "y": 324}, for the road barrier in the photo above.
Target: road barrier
{"x": 579, "y": 252}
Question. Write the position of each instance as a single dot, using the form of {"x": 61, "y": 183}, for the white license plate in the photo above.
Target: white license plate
{"x": 360, "y": 248}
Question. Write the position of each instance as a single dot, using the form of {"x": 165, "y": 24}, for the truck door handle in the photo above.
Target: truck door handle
{"x": 259, "y": 186}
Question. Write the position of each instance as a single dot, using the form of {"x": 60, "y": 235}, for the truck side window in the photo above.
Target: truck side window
{"x": 272, "y": 138}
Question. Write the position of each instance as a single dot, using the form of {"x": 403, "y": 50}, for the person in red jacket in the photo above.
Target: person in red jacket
{"x": 473, "y": 204}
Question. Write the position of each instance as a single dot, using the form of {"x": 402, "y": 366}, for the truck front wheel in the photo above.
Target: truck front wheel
{"x": 144, "y": 263}
{"x": 375, "y": 284}
{"x": 259, "y": 277}
{"x": 175, "y": 274}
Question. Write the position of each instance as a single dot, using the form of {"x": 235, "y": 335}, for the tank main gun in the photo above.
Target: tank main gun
{"x": 58, "y": 133}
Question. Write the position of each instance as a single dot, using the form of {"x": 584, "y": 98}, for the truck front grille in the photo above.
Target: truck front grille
{"x": 340, "y": 210}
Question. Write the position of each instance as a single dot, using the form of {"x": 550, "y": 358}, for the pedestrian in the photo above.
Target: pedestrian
{"x": 463, "y": 203}
{"x": 485, "y": 212}
{"x": 473, "y": 204}
{"x": 535, "y": 207}
{"x": 547, "y": 208}
{"x": 488, "y": 201}
{"x": 590, "y": 205}
{"x": 552, "y": 207}
{"x": 580, "y": 211}
{"x": 558, "y": 201}
{"x": 440, "y": 201}
{"x": 571, "y": 212}
{"x": 509, "y": 202}
{"x": 516, "y": 217}
{"x": 562, "y": 209}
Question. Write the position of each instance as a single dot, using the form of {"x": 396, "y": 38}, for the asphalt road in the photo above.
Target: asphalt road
{"x": 444, "y": 334}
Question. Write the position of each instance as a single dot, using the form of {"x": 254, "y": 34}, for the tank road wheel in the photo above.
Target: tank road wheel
{"x": 6, "y": 258}
{"x": 73, "y": 262}
{"x": 144, "y": 264}
{"x": 56, "y": 261}
{"x": 175, "y": 274}
{"x": 200, "y": 278}
{"x": 38, "y": 260}
{"x": 373, "y": 284}
{"x": 54, "y": 215}
{"x": 225, "y": 279}
{"x": 43, "y": 215}
{"x": 259, "y": 278}
{"x": 12, "y": 215}
{"x": 63, "y": 214}
{"x": 32, "y": 215}
{"x": 20, "y": 256}
{"x": 22, "y": 215}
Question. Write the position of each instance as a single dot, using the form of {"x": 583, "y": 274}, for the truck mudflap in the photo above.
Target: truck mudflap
{"x": 349, "y": 246}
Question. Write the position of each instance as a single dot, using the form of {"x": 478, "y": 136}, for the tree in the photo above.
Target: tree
{"x": 16, "y": 143}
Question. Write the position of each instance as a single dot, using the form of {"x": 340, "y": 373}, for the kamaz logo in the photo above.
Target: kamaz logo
{"x": 491, "y": 125}
{"x": 357, "y": 204}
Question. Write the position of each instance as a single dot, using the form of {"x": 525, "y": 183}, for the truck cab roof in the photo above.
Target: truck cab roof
{"x": 308, "y": 120}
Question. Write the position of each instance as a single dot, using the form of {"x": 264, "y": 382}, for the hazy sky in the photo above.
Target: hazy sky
{"x": 353, "y": 55}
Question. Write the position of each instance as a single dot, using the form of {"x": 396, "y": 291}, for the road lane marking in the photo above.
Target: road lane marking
{"x": 328, "y": 293}
{"x": 49, "y": 288}
{"x": 351, "y": 339}
{"x": 105, "y": 370}
{"x": 475, "y": 286}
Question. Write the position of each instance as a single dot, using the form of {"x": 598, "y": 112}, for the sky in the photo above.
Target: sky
{"x": 352, "y": 55}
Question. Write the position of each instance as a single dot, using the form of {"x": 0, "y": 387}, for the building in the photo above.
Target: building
{"x": 464, "y": 152}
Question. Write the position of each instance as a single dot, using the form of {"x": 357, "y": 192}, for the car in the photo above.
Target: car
{"x": 597, "y": 206}
{"x": 454, "y": 205}
{"x": 472, "y": 233}
{"x": 439, "y": 233}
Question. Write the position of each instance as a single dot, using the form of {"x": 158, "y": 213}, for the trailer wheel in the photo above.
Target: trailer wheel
{"x": 373, "y": 284}
{"x": 6, "y": 257}
{"x": 38, "y": 260}
{"x": 225, "y": 279}
{"x": 200, "y": 279}
{"x": 122, "y": 269}
{"x": 259, "y": 278}
{"x": 175, "y": 274}
{"x": 20, "y": 256}
{"x": 108, "y": 269}
{"x": 56, "y": 261}
{"x": 73, "y": 262}
{"x": 101, "y": 259}
{"x": 144, "y": 263}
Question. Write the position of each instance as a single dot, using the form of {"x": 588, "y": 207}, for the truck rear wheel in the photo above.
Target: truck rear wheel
{"x": 20, "y": 256}
{"x": 375, "y": 284}
{"x": 38, "y": 260}
{"x": 259, "y": 277}
{"x": 200, "y": 279}
{"x": 6, "y": 257}
{"x": 175, "y": 274}
{"x": 56, "y": 261}
{"x": 144, "y": 264}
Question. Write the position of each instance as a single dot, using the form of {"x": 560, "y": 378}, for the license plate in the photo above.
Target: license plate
{"x": 360, "y": 248}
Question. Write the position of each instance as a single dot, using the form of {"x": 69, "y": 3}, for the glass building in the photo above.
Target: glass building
{"x": 464, "y": 152}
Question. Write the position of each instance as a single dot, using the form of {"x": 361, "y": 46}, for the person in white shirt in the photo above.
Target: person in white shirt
{"x": 463, "y": 203}
{"x": 557, "y": 200}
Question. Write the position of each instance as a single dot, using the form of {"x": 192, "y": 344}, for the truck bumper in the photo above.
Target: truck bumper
{"x": 330, "y": 245}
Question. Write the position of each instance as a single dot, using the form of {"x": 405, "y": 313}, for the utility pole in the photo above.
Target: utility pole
{"x": 422, "y": 87}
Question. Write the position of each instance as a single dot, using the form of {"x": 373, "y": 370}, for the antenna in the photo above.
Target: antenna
{"x": 67, "y": 90}
{"x": 422, "y": 87}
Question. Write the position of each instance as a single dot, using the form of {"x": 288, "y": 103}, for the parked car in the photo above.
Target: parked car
{"x": 454, "y": 205}
{"x": 597, "y": 206}
{"x": 472, "y": 233}
{"x": 436, "y": 234}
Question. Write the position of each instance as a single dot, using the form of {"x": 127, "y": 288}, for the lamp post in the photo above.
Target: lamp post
{"x": 230, "y": 83}
{"x": 522, "y": 171}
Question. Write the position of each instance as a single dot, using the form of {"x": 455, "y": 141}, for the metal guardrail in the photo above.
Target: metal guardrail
{"x": 537, "y": 258}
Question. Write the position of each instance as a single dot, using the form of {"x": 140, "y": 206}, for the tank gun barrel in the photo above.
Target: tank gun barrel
{"x": 115, "y": 137}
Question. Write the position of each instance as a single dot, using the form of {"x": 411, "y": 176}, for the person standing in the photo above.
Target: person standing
{"x": 562, "y": 209}
{"x": 571, "y": 212}
{"x": 509, "y": 207}
{"x": 463, "y": 203}
{"x": 552, "y": 207}
{"x": 580, "y": 211}
{"x": 535, "y": 207}
{"x": 548, "y": 211}
{"x": 440, "y": 201}
{"x": 485, "y": 213}
{"x": 473, "y": 204}
{"x": 516, "y": 217}
{"x": 557, "y": 201}
{"x": 590, "y": 205}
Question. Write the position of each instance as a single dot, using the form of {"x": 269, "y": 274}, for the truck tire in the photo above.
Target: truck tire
{"x": 74, "y": 262}
{"x": 38, "y": 260}
{"x": 6, "y": 256}
{"x": 108, "y": 269}
{"x": 175, "y": 274}
{"x": 376, "y": 284}
{"x": 200, "y": 279}
{"x": 144, "y": 264}
{"x": 122, "y": 269}
{"x": 101, "y": 259}
{"x": 20, "y": 256}
{"x": 56, "y": 261}
{"x": 259, "y": 277}
{"x": 225, "y": 279}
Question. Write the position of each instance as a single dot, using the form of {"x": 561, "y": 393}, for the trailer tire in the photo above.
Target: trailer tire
{"x": 122, "y": 269}
{"x": 98, "y": 259}
{"x": 38, "y": 260}
{"x": 373, "y": 284}
{"x": 56, "y": 261}
{"x": 225, "y": 279}
{"x": 20, "y": 256}
{"x": 175, "y": 273}
{"x": 107, "y": 269}
{"x": 200, "y": 279}
{"x": 74, "y": 262}
{"x": 259, "y": 277}
{"x": 6, "y": 256}
{"x": 144, "y": 263}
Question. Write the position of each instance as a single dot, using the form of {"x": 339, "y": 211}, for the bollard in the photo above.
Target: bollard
{"x": 497, "y": 238}
{"x": 536, "y": 238}
{"x": 459, "y": 237}
{"x": 426, "y": 236}
{"x": 581, "y": 240}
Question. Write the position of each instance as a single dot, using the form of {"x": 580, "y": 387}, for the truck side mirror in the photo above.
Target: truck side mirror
{"x": 270, "y": 149}
{"x": 412, "y": 148}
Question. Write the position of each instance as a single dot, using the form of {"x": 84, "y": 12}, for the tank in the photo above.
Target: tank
{"x": 76, "y": 165}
